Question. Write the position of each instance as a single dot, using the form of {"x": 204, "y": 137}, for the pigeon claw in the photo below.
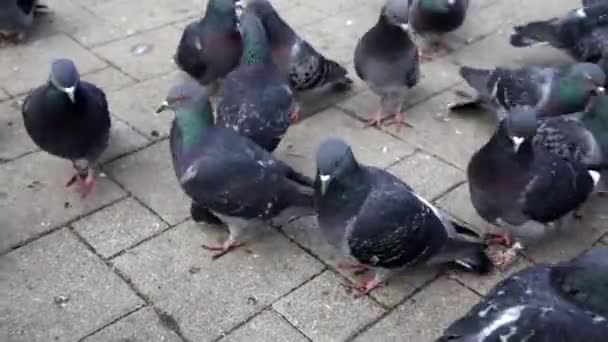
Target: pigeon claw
{"x": 295, "y": 116}
{"x": 85, "y": 182}
{"x": 377, "y": 119}
{"x": 366, "y": 286}
{"x": 223, "y": 249}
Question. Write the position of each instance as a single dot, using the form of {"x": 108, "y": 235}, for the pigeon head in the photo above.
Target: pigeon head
{"x": 396, "y": 13}
{"x": 224, "y": 6}
{"x": 188, "y": 95}
{"x": 334, "y": 160}
{"x": 521, "y": 125}
{"x": 64, "y": 76}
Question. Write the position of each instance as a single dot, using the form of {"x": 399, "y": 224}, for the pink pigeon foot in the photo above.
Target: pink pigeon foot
{"x": 228, "y": 246}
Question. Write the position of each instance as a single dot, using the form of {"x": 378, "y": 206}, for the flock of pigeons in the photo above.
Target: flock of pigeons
{"x": 539, "y": 167}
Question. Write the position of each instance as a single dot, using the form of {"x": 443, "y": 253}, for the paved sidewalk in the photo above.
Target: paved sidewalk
{"x": 126, "y": 263}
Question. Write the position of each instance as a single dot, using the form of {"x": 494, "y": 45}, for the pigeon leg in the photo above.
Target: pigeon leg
{"x": 295, "y": 115}
{"x": 377, "y": 119}
{"x": 502, "y": 260}
{"x": 503, "y": 239}
{"x": 229, "y": 245}
{"x": 87, "y": 185}
{"x": 398, "y": 120}
{"x": 235, "y": 226}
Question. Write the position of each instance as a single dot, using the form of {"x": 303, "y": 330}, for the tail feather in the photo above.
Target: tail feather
{"x": 469, "y": 255}
{"x": 535, "y": 33}
{"x": 477, "y": 78}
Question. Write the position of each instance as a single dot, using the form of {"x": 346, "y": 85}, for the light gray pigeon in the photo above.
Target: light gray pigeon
{"x": 523, "y": 187}
{"x": 371, "y": 216}
{"x": 558, "y": 303}
{"x": 386, "y": 58}
{"x": 16, "y": 16}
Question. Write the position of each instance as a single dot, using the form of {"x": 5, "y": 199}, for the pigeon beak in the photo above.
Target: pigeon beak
{"x": 164, "y": 106}
{"x": 70, "y": 93}
{"x": 405, "y": 27}
{"x": 600, "y": 90}
{"x": 517, "y": 141}
{"x": 325, "y": 180}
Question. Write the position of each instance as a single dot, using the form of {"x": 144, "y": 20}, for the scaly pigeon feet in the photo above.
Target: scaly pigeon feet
{"x": 85, "y": 182}
{"x": 228, "y": 246}
{"x": 365, "y": 286}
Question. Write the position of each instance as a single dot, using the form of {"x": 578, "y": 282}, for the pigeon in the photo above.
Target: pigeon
{"x": 371, "y": 216}
{"x": 433, "y": 18}
{"x": 524, "y": 187}
{"x": 16, "y": 16}
{"x": 229, "y": 178}
{"x": 559, "y": 303}
{"x": 386, "y": 58}
{"x": 553, "y": 91}
{"x": 306, "y": 67}
{"x": 255, "y": 100}
{"x": 211, "y": 47}
{"x": 69, "y": 118}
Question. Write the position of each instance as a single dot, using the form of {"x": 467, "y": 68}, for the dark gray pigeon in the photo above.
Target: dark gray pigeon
{"x": 69, "y": 118}
{"x": 431, "y": 19}
{"x": 228, "y": 177}
{"x": 306, "y": 67}
{"x": 16, "y": 16}
{"x": 553, "y": 91}
{"x": 371, "y": 216}
{"x": 523, "y": 187}
{"x": 211, "y": 47}
{"x": 545, "y": 303}
{"x": 386, "y": 58}
{"x": 255, "y": 99}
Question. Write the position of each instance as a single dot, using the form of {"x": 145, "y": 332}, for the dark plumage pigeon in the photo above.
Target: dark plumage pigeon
{"x": 373, "y": 217}
{"x": 16, "y": 16}
{"x": 255, "y": 99}
{"x": 211, "y": 47}
{"x": 558, "y": 303}
{"x": 553, "y": 91}
{"x": 305, "y": 66}
{"x": 69, "y": 118}
{"x": 228, "y": 177}
{"x": 431, "y": 19}
{"x": 523, "y": 187}
{"x": 386, "y": 58}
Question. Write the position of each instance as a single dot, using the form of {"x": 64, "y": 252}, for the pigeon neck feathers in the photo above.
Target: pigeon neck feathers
{"x": 220, "y": 14}
{"x": 192, "y": 122}
{"x": 256, "y": 49}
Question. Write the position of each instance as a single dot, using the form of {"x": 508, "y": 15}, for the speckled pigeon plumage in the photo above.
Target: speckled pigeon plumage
{"x": 306, "y": 67}
{"x": 16, "y": 16}
{"x": 255, "y": 99}
{"x": 69, "y": 118}
{"x": 386, "y": 58}
{"x": 228, "y": 177}
{"x": 371, "y": 216}
{"x": 211, "y": 47}
{"x": 545, "y": 303}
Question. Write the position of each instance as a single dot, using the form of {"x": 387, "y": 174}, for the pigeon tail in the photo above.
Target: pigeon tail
{"x": 470, "y": 255}
{"x": 535, "y": 33}
{"x": 334, "y": 71}
{"x": 476, "y": 78}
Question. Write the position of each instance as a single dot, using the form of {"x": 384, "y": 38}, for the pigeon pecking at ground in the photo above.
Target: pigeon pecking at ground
{"x": 371, "y": 216}
{"x": 228, "y": 177}
{"x": 386, "y": 58}
{"x": 255, "y": 99}
{"x": 16, "y": 16}
{"x": 523, "y": 187}
{"x": 211, "y": 47}
{"x": 557, "y": 303}
{"x": 553, "y": 91}
{"x": 431, "y": 19}
{"x": 69, "y": 118}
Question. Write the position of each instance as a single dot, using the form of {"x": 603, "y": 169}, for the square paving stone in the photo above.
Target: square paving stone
{"x": 27, "y": 66}
{"x": 425, "y": 316}
{"x": 14, "y": 140}
{"x": 458, "y": 203}
{"x": 59, "y": 291}
{"x": 148, "y": 175}
{"x": 109, "y": 79}
{"x": 307, "y": 233}
{"x": 142, "y": 325}
{"x": 483, "y": 284}
{"x": 34, "y": 192}
{"x": 324, "y": 312}
{"x": 3, "y": 95}
{"x": 118, "y": 227}
{"x": 268, "y": 327}
{"x": 144, "y": 55}
{"x": 370, "y": 146}
{"x": 123, "y": 139}
{"x": 209, "y": 298}
{"x": 427, "y": 175}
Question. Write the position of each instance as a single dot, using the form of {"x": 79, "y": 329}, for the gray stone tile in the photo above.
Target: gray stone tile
{"x": 604, "y": 240}
{"x": 267, "y": 327}
{"x": 306, "y": 232}
{"x": 3, "y": 95}
{"x": 109, "y": 79}
{"x": 34, "y": 192}
{"x": 148, "y": 175}
{"x": 426, "y": 315}
{"x": 483, "y": 284}
{"x": 27, "y": 66}
{"x": 59, "y": 291}
{"x": 144, "y": 55}
{"x": 299, "y": 16}
{"x": 177, "y": 275}
{"x": 429, "y": 176}
{"x": 336, "y": 7}
{"x": 324, "y": 312}
{"x": 458, "y": 203}
{"x": 142, "y": 325}
{"x": 14, "y": 140}
{"x": 123, "y": 139}
{"x": 118, "y": 227}
{"x": 370, "y": 146}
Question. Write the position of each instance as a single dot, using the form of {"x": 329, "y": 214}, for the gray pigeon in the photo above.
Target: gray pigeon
{"x": 211, "y": 47}
{"x": 69, "y": 118}
{"x": 523, "y": 187}
{"x": 553, "y": 91}
{"x": 386, "y": 58}
{"x": 255, "y": 99}
{"x": 371, "y": 216}
{"x": 431, "y": 19}
{"x": 16, "y": 16}
{"x": 229, "y": 178}
{"x": 557, "y": 303}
